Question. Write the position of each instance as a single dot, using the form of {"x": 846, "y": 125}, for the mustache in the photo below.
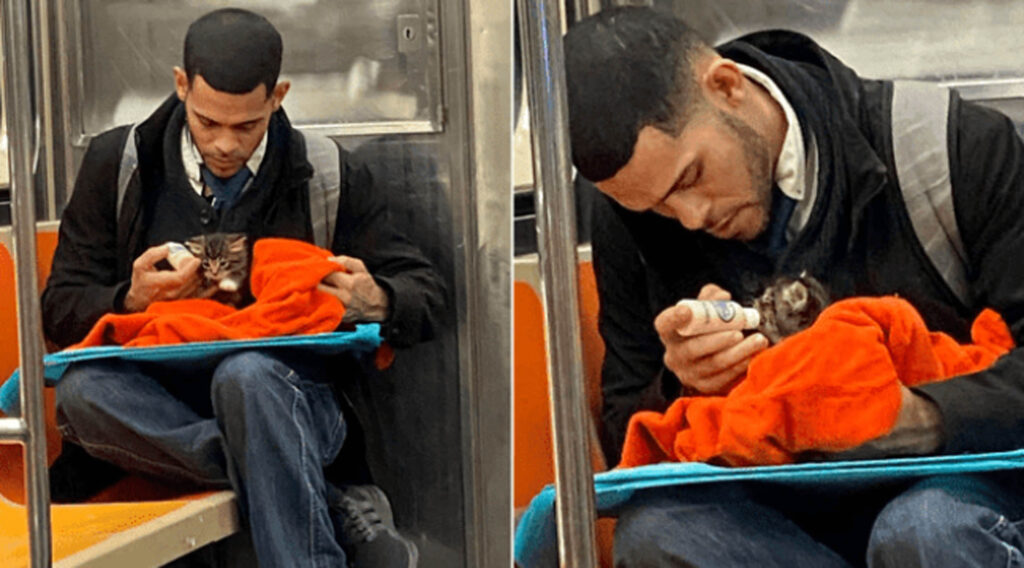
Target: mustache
{"x": 218, "y": 157}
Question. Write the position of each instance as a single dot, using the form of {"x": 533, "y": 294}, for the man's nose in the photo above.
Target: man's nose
{"x": 226, "y": 143}
{"x": 692, "y": 212}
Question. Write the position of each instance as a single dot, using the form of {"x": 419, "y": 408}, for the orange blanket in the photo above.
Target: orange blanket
{"x": 285, "y": 274}
{"x": 830, "y": 388}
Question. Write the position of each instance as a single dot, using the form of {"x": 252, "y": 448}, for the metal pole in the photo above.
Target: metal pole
{"x": 42, "y": 49}
{"x": 12, "y": 429}
{"x": 20, "y": 130}
{"x": 556, "y": 240}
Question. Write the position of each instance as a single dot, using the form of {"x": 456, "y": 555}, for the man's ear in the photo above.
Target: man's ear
{"x": 723, "y": 83}
{"x": 280, "y": 90}
{"x": 180, "y": 82}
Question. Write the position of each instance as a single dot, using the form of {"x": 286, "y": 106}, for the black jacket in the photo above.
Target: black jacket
{"x": 92, "y": 264}
{"x": 858, "y": 241}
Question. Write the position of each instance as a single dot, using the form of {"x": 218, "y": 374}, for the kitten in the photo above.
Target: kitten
{"x": 225, "y": 264}
{"x": 790, "y": 305}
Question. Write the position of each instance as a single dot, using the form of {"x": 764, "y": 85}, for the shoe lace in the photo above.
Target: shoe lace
{"x": 360, "y": 524}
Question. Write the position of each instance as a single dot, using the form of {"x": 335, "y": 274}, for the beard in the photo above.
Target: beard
{"x": 757, "y": 162}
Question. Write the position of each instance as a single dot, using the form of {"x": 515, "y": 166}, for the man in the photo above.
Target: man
{"x": 221, "y": 156}
{"x": 724, "y": 168}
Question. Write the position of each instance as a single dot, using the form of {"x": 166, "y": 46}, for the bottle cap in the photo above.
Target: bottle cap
{"x": 752, "y": 316}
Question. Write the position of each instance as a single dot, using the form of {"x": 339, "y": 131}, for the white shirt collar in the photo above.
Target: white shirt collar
{"x": 796, "y": 170}
{"x": 192, "y": 159}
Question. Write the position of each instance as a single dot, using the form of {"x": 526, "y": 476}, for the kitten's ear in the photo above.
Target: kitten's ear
{"x": 196, "y": 245}
{"x": 236, "y": 242}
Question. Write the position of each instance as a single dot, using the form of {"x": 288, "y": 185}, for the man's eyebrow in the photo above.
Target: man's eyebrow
{"x": 679, "y": 180}
{"x": 203, "y": 117}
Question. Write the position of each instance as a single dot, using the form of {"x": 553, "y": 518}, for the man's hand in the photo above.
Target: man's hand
{"x": 918, "y": 431}
{"x": 152, "y": 285}
{"x": 363, "y": 299}
{"x": 710, "y": 362}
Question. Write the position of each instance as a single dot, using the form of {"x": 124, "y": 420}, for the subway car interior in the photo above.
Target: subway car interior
{"x": 414, "y": 89}
{"x": 970, "y": 45}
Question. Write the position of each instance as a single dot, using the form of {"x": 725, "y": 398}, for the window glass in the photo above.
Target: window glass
{"x": 372, "y": 63}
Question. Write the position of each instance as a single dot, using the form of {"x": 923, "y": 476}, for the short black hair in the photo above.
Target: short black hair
{"x": 626, "y": 68}
{"x": 234, "y": 50}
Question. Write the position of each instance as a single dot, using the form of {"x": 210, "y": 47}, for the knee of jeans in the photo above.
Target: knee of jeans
{"x": 73, "y": 394}
{"x": 637, "y": 531}
{"x": 244, "y": 374}
{"x": 922, "y": 518}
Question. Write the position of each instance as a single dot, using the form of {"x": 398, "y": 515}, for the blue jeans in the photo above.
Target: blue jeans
{"x": 253, "y": 423}
{"x": 942, "y": 522}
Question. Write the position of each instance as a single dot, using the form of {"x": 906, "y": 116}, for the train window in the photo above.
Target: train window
{"x": 370, "y": 68}
{"x": 934, "y": 39}
{"x": 972, "y": 45}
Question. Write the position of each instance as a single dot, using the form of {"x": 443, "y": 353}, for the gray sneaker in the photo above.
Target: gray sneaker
{"x": 365, "y": 528}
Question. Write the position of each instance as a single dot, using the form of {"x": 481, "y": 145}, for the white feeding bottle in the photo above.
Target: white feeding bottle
{"x": 176, "y": 253}
{"x": 717, "y": 315}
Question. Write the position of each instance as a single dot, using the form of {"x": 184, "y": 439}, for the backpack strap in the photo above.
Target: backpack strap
{"x": 324, "y": 187}
{"x": 920, "y": 121}
{"x": 129, "y": 163}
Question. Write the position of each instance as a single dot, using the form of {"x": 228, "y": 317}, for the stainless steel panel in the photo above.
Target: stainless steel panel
{"x": 371, "y": 63}
{"x": 411, "y": 413}
{"x": 487, "y": 330}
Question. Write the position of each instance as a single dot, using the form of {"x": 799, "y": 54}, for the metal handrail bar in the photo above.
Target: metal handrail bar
{"x": 20, "y": 130}
{"x": 556, "y": 247}
{"x": 13, "y": 429}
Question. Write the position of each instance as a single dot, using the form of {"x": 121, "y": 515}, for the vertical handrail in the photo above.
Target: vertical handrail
{"x": 20, "y": 130}
{"x": 556, "y": 246}
{"x": 44, "y": 78}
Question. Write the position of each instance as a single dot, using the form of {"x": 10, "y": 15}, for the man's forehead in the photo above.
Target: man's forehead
{"x": 652, "y": 169}
{"x": 224, "y": 107}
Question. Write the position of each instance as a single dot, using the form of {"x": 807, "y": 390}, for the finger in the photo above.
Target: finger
{"x": 340, "y": 294}
{"x": 701, "y": 346}
{"x": 340, "y": 280}
{"x": 189, "y": 266}
{"x": 730, "y": 357}
{"x": 713, "y": 292}
{"x": 148, "y": 259}
{"x": 351, "y": 263}
{"x": 671, "y": 319}
{"x": 723, "y": 380}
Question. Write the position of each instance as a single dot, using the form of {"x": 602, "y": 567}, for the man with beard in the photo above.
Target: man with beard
{"x": 724, "y": 168}
{"x": 220, "y": 156}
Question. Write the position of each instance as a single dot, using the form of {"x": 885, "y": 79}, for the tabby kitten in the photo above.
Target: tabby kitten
{"x": 224, "y": 261}
{"x": 790, "y": 305}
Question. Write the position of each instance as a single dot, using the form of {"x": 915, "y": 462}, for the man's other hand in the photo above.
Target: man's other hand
{"x": 363, "y": 298}
{"x": 150, "y": 284}
{"x": 918, "y": 431}
{"x": 709, "y": 363}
